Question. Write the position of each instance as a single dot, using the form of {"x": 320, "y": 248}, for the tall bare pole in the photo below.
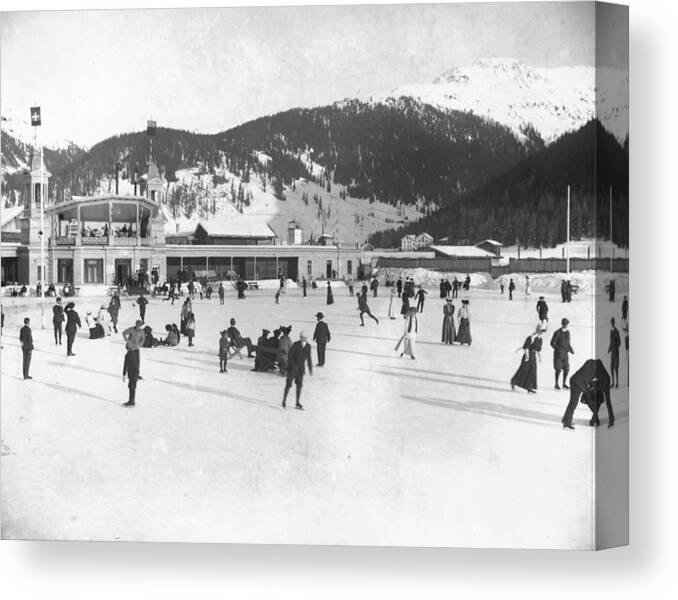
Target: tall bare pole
{"x": 567, "y": 245}
{"x": 611, "y": 246}
{"x": 42, "y": 234}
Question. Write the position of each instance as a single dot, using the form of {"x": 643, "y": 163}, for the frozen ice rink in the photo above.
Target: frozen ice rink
{"x": 389, "y": 451}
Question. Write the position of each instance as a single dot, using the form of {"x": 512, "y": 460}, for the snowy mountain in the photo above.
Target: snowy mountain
{"x": 552, "y": 100}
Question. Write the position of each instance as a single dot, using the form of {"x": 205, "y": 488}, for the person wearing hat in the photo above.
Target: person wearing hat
{"x": 364, "y": 308}
{"x": 284, "y": 348}
{"x": 542, "y": 310}
{"x": 224, "y": 345}
{"x": 114, "y": 310}
{"x": 299, "y": 357}
{"x": 526, "y": 375}
{"x": 58, "y": 318}
{"x": 321, "y": 337}
{"x": 142, "y": 302}
{"x": 464, "y": 332}
{"x": 259, "y": 359}
{"x": 562, "y": 348}
{"x": 590, "y": 385}
{"x": 330, "y": 295}
{"x": 102, "y": 319}
{"x": 72, "y": 325}
{"x": 409, "y": 336}
{"x": 130, "y": 369}
{"x": 449, "y": 332}
{"x": 613, "y": 351}
{"x": 26, "y": 339}
{"x": 511, "y": 288}
{"x": 421, "y": 296}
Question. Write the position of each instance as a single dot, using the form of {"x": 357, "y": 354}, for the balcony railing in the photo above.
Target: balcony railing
{"x": 65, "y": 240}
{"x": 123, "y": 241}
{"x": 101, "y": 240}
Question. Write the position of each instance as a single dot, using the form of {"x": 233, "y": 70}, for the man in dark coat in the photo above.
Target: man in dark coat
{"x": 591, "y": 384}
{"x": 221, "y": 293}
{"x": 625, "y": 310}
{"x": 260, "y": 360}
{"x": 374, "y": 286}
{"x": 421, "y": 297}
{"x": 304, "y": 286}
{"x": 442, "y": 288}
{"x": 130, "y": 369}
{"x": 142, "y": 302}
{"x": 321, "y": 336}
{"x": 72, "y": 325}
{"x": 58, "y": 319}
{"x": 239, "y": 341}
{"x": 26, "y": 339}
{"x": 560, "y": 342}
{"x": 455, "y": 288}
{"x": 611, "y": 289}
{"x": 299, "y": 357}
{"x": 512, "y": 288}
{"x": 543, "y": 310}
{"x": 613, "y": 351}
{"x": 399, "y": 285}
{"x": 365, "y": 309}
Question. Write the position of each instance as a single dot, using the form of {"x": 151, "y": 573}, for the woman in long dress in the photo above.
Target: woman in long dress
{"x": 448, "y": 322}
{"x": 406, "y": 303}
{"x": 185, "y": 310}
{"x": 330, "y": 295}
{"x": 409, "y": 336}
{"x": 391, "y": 307}
{"x": 464, "y": 332}
{"x": 526, "y": 375}
{"x": 103, "y": 318}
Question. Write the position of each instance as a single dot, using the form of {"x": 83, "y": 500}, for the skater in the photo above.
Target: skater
{"x": 142, "y": 302}
{"x": 442, "y": 288}
{"x": 391, "y": 304}
{"x": 221, "y": 293}
{"x": 625, "y": 310}
{"x": 321, "y": 337}
{"x": 96, "y": 331}
{"x": 563, "y": 290}
{"x": 26, "y": 339}
{"x": 449, "y": 332}
{"x": 568, "y": 290}
{"x": 299, "y": 357}
{"x": 405, "y": 304}
{"x": 591, "y": 384}
{"x": 350, "y": 286}
{"x": 526, "y": 375}
{"x": 304, "y": 286}
{"x": 134, "y": 339}
{"x": 284, "y": 348}
{"x": 277, "y": 296}
{"x": 186, "y": 308}
{"x": 374, "y": 286}
{"x": 130, "y": 369}
{"x": 190, "y": 328}
{"x": 528, "y": 285}
{"x": 611, "y": 290}
{"x": 281, "y": 289}
{"x": 560, "y": 342}
{"x": 241, "y": 286}
{"x": 364, "y": 309}
{"x": 224, "y": 345}
{"x": 238, "y": 341}
{"x": 409, "y": 336}
{"x": 455, "y": 288}
{"x": 191, "y": 290}
{"x": 543, "y": 310}
{"x": 72, "y": 325}
{"x": 330, "y": 295}
{"x": 511, "y": 288}
{"x": 613, "y": 351}
{"x": 114, "y": 310}
{"x": 103, "y": 319}
{"x": 58, "y": 318}
{"x": 464, "y": 331}
{"x": 467, "y": 283}
{"x": 421, "y": 296}
{"x": 399, "y": 285}
{"x": 501, "y": 285}
{"x": 260, "y": 360}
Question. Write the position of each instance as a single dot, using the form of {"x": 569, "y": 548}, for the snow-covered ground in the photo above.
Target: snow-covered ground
{"x": 432, "y": 451}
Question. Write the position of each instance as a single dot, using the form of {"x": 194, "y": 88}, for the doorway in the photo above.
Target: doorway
{"x": 123, "y": 270}
{"x": 328, "y": 269}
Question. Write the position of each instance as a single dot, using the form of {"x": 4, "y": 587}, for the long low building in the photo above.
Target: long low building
{"x": 94, "y": 242}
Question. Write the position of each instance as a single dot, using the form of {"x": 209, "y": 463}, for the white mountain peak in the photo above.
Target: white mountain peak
{"x": 554, "y": 100}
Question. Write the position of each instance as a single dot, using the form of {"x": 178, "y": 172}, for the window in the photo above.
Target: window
{"x": 64, "y": 270}
{"x": 94, "y": 270}
{"x": 349, "y": 267}
{"x": 309, "y": 267}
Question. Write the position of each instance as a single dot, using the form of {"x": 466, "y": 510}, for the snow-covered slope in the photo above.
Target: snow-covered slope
{"x": 552, "y": 100}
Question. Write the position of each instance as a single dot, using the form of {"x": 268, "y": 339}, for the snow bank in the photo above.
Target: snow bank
{"x": 431, "y": 279}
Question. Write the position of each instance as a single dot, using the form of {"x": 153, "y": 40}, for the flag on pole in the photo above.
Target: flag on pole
{"x": 35, "y": 116}
{"x": 151, "y": 128}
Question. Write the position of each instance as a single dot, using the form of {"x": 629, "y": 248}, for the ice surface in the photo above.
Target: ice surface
{"x": 432, "y": 451}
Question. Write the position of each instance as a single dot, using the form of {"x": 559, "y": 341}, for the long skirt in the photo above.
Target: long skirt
{"x": 330, "y": 297}
{"x": 182, "y": 327}
{"x": 448, "y": 330}
{"x": 526, "y": 375}
{"x": 464, "y": 333}
{"x": 96, "y": 332}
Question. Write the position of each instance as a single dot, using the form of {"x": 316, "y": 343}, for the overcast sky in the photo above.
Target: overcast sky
{"x": 98, "y": 73}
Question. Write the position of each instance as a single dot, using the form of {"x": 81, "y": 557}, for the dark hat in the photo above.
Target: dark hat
{"x": 70, "y": 305}
{"x": 265, "y": 331}
{"x": 232, "y": 321}
{"x": 168, "y": 327}
{"x": 139, "y": 322}
{"x": 319, "y": 315}
{"x": 465, "y": 302}
{"x": 223, "y": 332}
{"x": 565, "y": 321}
{"x": 286, "y": 329}
{"x": 541, "y": 297}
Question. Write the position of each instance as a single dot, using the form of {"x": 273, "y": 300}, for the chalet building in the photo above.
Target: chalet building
{"x": 484, "y": 249}
{"x": 412, "y": 242}
{"x": 95, "y": 242}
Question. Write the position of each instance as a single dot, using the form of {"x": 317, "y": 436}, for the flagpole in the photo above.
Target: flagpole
{"x": 567, "y": 245}
{"x": 42, "y": 235}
